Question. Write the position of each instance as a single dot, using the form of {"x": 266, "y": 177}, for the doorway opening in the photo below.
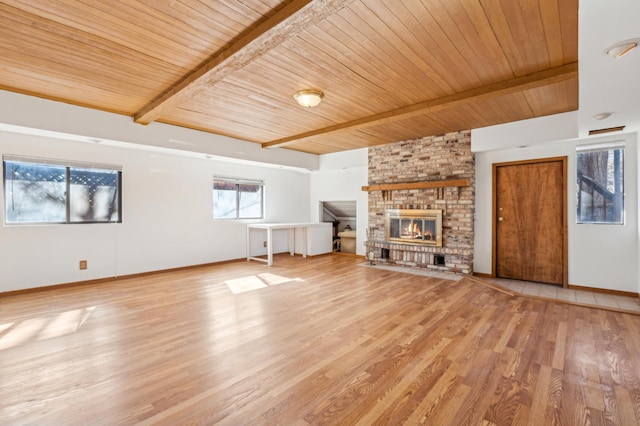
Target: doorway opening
{"x": 342, "y": 214}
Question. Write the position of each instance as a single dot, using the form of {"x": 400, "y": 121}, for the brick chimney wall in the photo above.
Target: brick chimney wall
{"x": 432, "y": 158}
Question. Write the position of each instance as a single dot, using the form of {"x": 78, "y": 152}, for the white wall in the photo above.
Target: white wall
{"x": 525, "y": 132}
{"x": 167, "y": 219}
{"x": 607, "y": 84}
{"x": 341, "y": 178}
{"x": 602, "y": 256}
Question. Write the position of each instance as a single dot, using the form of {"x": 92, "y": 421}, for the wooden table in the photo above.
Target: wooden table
{"x": 290, "y": 227}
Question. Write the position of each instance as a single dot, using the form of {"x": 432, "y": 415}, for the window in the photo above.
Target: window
{"x": 237, "y": 198}
{"x": 600, "y": 183}
{"x": 51, "y": 191}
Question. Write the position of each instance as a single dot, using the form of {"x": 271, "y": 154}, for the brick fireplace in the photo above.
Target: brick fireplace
{"x": 434, "y": 174}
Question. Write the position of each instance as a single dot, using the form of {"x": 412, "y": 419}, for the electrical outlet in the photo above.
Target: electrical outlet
{"x": 264, "y": 244}
{"x": 83, "y": 264}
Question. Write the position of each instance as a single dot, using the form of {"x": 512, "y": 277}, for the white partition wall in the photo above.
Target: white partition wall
{"x": 341, "y": 178}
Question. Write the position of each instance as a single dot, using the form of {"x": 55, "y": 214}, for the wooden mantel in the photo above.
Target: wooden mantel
{"x": 418, "y": 185}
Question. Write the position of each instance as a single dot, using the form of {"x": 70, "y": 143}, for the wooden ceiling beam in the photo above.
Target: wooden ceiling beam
{"x": 507, "y": 87}
{"x": 269, "y": 34}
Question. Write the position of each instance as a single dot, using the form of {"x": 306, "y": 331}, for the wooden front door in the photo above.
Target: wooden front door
{"x": 530, "y": 232}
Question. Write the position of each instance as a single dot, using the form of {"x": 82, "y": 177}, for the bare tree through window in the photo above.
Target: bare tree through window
{"x": 600, "y": 184}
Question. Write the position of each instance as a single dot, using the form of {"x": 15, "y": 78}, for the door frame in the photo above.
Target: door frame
{"x": 494, "y": 213}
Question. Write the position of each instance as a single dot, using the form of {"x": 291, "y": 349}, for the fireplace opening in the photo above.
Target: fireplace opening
{"x": 414, "y": 226}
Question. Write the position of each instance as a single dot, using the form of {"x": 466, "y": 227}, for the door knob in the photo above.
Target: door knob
{"x": 500, "y": 219}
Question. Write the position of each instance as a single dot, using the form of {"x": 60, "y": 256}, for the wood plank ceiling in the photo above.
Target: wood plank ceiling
{"x": 390, "y": 70}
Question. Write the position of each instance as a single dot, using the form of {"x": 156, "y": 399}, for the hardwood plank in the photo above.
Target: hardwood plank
{"x": 382, "y": 29}
{"x": 483, "y": 52}
{"x": 336, "y": 342}
{"x": 551, "y": 20}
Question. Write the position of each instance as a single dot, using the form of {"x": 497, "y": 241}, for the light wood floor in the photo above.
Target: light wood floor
{"x": 316, "y": 341}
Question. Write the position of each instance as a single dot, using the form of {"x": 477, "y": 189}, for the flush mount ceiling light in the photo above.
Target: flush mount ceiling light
{"x": 618, "y": 50}
{"x": 308, "y": 98}
{"x": 602, "y": 115}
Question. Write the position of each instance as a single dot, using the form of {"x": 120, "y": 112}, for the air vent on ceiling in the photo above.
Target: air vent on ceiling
{"x": 607, "y": 130}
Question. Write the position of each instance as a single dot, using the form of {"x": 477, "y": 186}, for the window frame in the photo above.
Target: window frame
{"x": 68, "y": 165}
{"x": 237, "y": 182}
{"x": 594, "y": 148}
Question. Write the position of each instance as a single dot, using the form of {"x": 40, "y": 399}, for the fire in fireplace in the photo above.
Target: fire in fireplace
{"x": 414, "y": 226}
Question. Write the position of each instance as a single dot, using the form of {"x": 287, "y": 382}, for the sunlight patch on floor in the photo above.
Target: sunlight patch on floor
{"x": 244, "y": 284}
{"x": 256, "y": 282}
{"x": 272, "y": 279}
{"x": 35, "y": 329}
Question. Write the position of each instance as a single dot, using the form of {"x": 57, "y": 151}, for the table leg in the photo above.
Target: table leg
{"x": 269, "y": 247}
{"x": 304, "y": 242}
{"x": 291, "y": 234}
{"x": 248, "y": 243}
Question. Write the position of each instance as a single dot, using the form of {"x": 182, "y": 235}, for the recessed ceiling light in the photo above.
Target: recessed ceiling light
{"x": 620, "y": 49}
{"x": 602, "y": 115}
{"x": 308, "y": 98}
